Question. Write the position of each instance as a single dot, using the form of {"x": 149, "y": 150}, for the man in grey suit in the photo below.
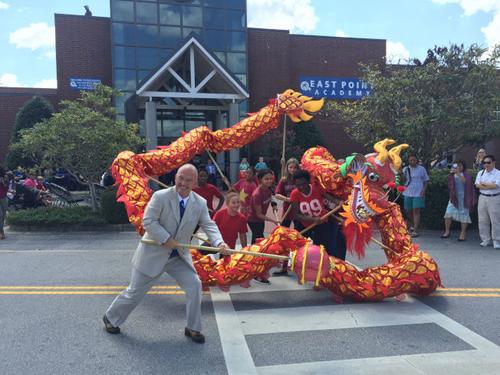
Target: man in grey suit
{"x": 170, "y": 218}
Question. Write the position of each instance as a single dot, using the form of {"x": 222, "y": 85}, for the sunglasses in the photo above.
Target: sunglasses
{"x": 487, "y": 162}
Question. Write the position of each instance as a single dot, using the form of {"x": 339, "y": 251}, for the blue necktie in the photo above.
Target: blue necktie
{"x": 182, "y": 208}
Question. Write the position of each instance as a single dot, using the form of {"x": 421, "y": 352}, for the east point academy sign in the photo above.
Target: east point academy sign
{"x": 334, "y": 87}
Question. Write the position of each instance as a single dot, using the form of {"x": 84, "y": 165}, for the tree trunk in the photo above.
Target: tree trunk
{"x": 93, "y": 197}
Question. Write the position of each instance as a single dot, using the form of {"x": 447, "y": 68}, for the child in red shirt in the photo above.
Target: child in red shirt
{"x": 231, "y": 223}
{"x": 283, "y": 191}
{"x": 245, "y": 188}
{"x": 208, "y": 191}
{"x": 308, "y": 207}
{"x": 259, "y": 204}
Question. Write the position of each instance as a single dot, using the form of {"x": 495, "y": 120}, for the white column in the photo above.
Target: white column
{"x": 234, "y": 155}
{"x": 151, "y": 127}
{"x": 220, "y": 124}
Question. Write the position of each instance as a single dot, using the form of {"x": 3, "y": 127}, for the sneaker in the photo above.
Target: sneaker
{"x": 485, "y": 243}
{"x": 261, "y": 280}
{"x": 496, "y": 244}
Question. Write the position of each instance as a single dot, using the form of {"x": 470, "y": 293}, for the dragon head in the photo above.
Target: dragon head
{"x": 298, "y": 106}
{"x": 368, "y": 197}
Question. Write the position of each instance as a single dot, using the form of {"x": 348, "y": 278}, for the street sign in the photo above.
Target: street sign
{"x": 334, "y": 87}
{"x": 85, "y": 84}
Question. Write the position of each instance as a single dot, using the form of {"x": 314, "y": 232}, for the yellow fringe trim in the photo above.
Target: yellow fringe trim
{"x": 318, "y": 274}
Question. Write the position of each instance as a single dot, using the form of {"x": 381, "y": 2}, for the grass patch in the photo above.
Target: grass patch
{"x": 55, "y": 216}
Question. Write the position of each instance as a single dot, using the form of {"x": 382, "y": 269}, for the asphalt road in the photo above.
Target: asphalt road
{"x": 54, "y": 289}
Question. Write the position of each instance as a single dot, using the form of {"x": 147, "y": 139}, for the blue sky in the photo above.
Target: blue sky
{"x": 409, "y": 26}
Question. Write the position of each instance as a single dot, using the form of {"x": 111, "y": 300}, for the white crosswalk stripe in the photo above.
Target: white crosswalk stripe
{"x": 234, "y": 325}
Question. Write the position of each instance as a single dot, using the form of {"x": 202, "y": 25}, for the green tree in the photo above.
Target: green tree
{"x": 83, "y": 137}
{"x": 34, "y": 110}
{"x": 437, "y": 106}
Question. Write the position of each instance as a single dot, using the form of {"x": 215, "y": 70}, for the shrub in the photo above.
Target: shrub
{"x": 55, "y": 216}
{"x": 112, "y": 211}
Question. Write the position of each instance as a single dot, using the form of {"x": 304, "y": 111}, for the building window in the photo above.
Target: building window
{"x": 235, "y": 19}
{"x": 215, "y": 39}
{"x": 124, "y": 57}
{"x": 188, "y": 30}
{"x": 221, "y": 56}
{"x": 123, "y": 33}
{"x": 214, "y": 18}
{"x": 166, "y": 54}
{"x": 170, "y": 14}
{"x": 147, "y": 35}
{"x": 236, "y": 41}
{"x": 141, "y": 74}
{"x": 236, "y": 62}
{"x": 192, "y": 16}
{"x": 146, "y": 13}
{"x": 122, "y": 10}
{"x": 125, "y": 79}
{"x": 215, "y": 3}
{"x": 147, "y": 58}
{"x": 170, "y": 36}
{"x": 242, "y": 78}
{"x": 237, "y": 4}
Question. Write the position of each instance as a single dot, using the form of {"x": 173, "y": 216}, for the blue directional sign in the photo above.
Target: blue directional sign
{"x": 85, "y": 84}
{"x": 334, "y": 87}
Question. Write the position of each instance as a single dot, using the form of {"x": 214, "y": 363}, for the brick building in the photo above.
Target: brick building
{"x": 148, "y": 51}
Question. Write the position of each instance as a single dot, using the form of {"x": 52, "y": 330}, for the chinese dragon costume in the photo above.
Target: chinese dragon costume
{"x": 363, "y": 187}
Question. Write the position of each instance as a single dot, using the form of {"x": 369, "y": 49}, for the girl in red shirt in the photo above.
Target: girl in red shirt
{"x": 283, "y": 191}
{"x": 259, "y": 204}
{"x": 231, "y": 223}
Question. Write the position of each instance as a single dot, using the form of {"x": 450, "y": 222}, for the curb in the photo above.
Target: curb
{"x": 72, "y": 228}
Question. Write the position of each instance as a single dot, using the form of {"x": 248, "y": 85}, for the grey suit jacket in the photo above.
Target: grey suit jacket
{"x": 162, "y": 220}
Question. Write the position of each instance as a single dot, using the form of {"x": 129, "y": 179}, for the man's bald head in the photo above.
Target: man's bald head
{"x": 189, "y": 168}
{"x": 185, "y": 179}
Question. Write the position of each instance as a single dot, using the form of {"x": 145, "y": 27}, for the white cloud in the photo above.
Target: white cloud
{"x": 9, "y": 80}
{"x": 340, "y": 33}
{"x": 492, "y": 30}
{"x": 472, "y": 6}
{"x": 294, "y": 15}
{"x": 397, "y": 52}
{"x": 50, "y": 54}
{"x": 47, "y": 83}
{"x": 4, "y": 5}
{"x": 36, "y": 35}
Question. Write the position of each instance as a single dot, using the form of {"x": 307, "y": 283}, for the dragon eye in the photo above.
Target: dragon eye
{"x": 373, "y": 177}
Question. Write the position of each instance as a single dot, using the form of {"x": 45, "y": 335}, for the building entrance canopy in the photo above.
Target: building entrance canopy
{"x": 193, "y": 74}
{"x": 192, "y": 79}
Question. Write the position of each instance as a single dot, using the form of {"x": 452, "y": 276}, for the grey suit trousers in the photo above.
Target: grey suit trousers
{"x": 140, "y": 283}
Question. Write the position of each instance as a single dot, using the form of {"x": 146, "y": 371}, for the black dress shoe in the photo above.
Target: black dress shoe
{"x": 110, "y": 328}
{"x": 196, "y": 336}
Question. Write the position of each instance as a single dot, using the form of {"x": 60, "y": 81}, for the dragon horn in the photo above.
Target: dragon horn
{"x": 394, "y": 154}
{"x": 313, "y": 105}
{"x": 294, "y": 118}
{"x": 381, "y": 149}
